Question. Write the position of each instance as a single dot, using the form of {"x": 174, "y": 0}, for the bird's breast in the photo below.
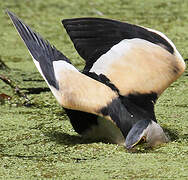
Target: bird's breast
{"x": 105, "y": 130}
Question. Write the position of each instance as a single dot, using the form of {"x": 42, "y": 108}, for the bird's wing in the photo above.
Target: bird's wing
{"x": 71, "y": 88}
{"x": 135, "y": 59}
{"x": 93, "y": 37}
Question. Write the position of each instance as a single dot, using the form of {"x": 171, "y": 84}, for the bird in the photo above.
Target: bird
{"x": 127, "y": 68}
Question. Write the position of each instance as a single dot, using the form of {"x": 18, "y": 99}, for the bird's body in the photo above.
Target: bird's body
{"x": 127, "y": 68}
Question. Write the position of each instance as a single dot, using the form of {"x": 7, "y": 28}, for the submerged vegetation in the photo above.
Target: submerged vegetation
{"x": 36, "y": 138}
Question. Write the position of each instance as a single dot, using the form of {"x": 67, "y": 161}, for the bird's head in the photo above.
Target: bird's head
{"x": 148, "y": 131}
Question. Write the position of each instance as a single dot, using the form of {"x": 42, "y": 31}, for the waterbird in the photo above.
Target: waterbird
{"x": 127, "y": 68}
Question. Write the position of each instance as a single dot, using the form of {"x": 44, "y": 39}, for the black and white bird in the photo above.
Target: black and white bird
{"x": 127, "y": 68}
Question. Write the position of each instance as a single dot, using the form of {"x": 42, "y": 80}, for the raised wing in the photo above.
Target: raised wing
{"x": 72, "y": 89}
{"x": 93, "y": 37}
{"x": 135, "y": 59}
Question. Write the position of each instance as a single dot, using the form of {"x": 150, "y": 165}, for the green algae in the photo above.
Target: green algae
{"x": 38, "y": 141}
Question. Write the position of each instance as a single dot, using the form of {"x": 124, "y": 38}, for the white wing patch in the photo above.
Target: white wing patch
{"x": 60, "y": 66}
{"x": 139, "y": 66}
{"x": 117, "y": 51}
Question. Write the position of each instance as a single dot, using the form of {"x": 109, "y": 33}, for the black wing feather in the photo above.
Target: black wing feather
{"x": 92, "y": 37}
{"x": 40, "y": 49}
